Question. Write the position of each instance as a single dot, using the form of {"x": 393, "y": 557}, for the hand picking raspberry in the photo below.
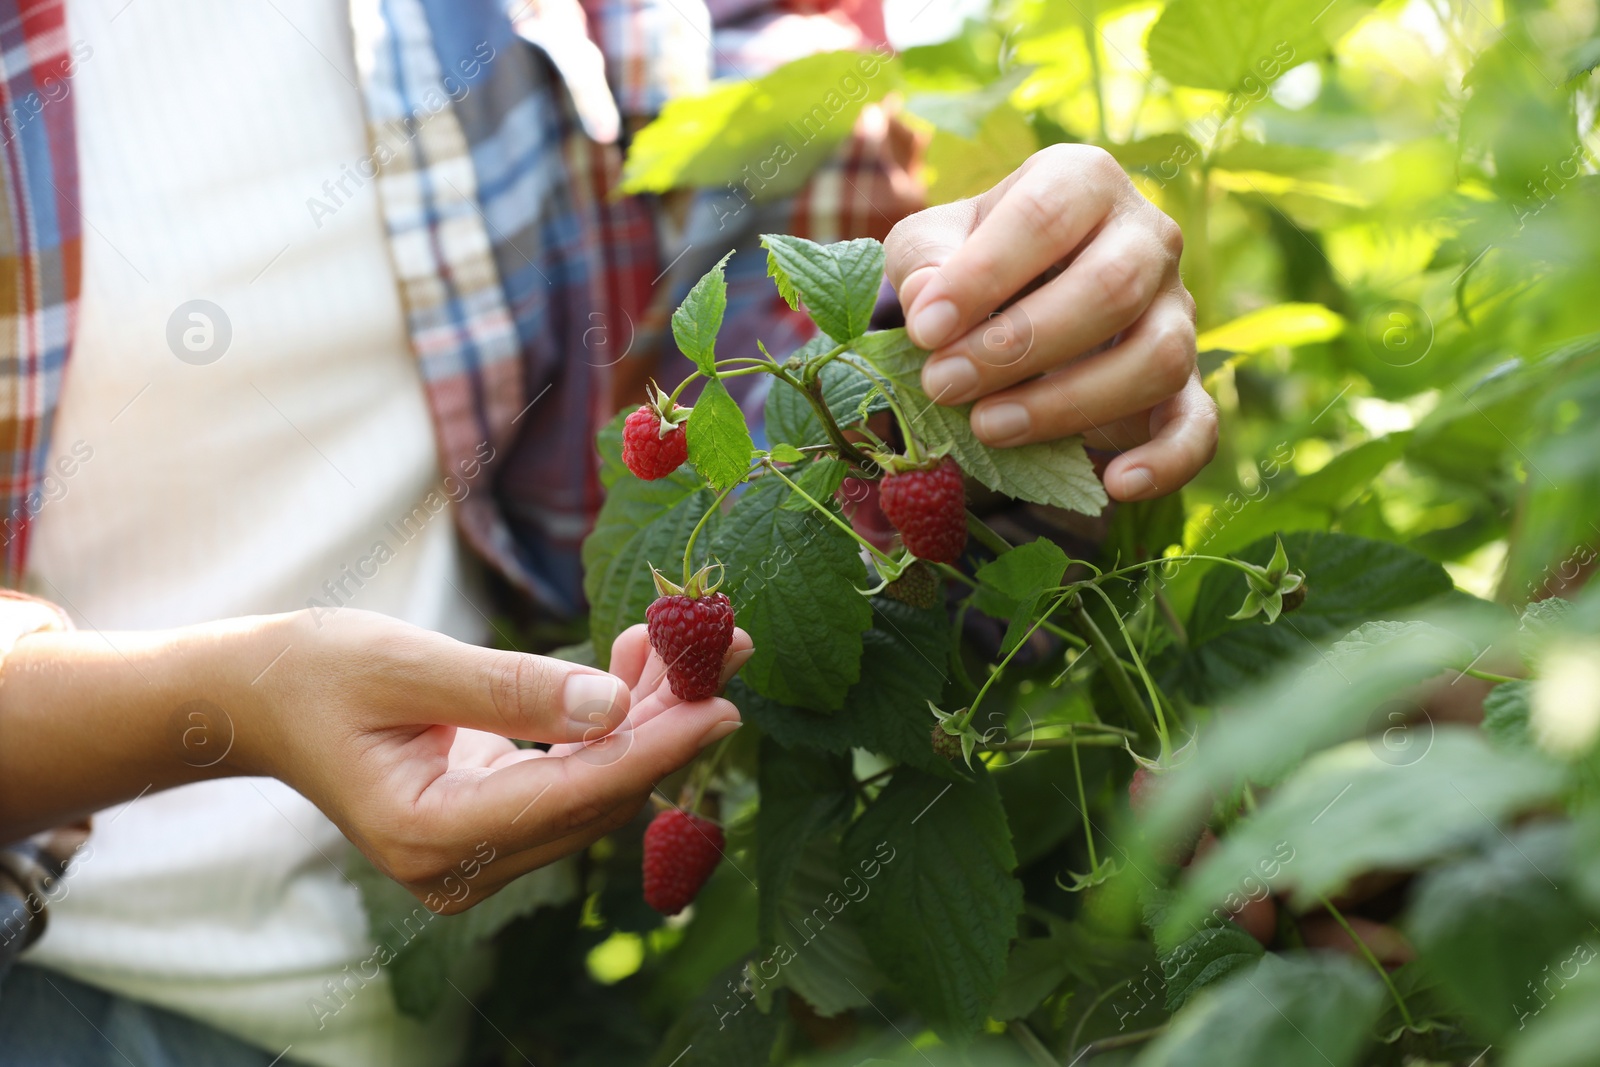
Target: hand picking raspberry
{"x": 691, "y": 629}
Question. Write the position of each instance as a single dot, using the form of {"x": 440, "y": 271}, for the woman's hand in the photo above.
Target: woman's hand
{"x": 399, "y": 735}
{"x": 1093, "y": 262}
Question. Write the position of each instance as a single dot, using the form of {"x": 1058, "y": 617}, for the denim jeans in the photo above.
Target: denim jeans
{"x": 50, "y": 1020}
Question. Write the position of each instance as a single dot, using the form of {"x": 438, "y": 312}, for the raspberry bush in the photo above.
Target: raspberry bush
{"x": 1298, "y": 766}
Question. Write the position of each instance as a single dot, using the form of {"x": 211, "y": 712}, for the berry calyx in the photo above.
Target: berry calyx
{"x": 918, "y": 586}
{"x": 653, "y": 446}
{"x": 691, "y": 629}
{"x": 681, "y": 850}
{"x": 928, "y": 506}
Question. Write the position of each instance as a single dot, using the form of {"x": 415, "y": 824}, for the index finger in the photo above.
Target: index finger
{"x": 1017, "y": 231}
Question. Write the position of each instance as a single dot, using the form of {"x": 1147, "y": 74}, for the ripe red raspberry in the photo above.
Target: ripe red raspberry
{"x": 918, "y": 586}
{"x": 680, "y": 852}
{"x": 929, "y": 509}
{"x": 692, "y": 635}
{"x": 649, "y": 453}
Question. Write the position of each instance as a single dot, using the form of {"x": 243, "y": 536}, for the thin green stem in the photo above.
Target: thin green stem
{"x": 1149, "y": 683}
{"x": 1399, "y": 1001}
{"x": 1030, "y": 744}
{"x": 912, "y": 452}
{"x": 1001, "y": 666}
{"x": 1083, "y": 809}
{"x": 816, "y": 365}
{"x": 1091, "y": 39}
{"x": 847, "y": 451}
{"x": 707, "y": 774}
{"x": 829, "y": 514}
{"x": 1031, "y": 1044}
{"x": 1121, "y": 684}
{"x": 673, "y": 399}
{"x": 986, "y": 535}
{"x": 694, "y": 535}
{"x": 1488, "y": 676}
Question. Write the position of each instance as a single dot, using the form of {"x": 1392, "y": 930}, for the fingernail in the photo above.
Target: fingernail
{"x": 719, "y": 731}
{"x": 735, "y": 661}
{"x": 951, "y": 380}
{"x": 1002, "y": 423}
{"x": 933, "y": 325}
{"x": 590, "y": 699}
{"x": 1137, "y": 483}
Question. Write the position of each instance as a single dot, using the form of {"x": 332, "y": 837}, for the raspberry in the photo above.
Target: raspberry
{"x": 928, "y": 507}
{"x": 649, "y": 453}
{"x": 680, "y": 852}
{"x": 918, "y": 586}
{"x": 1294, "y": 598}
{"x": 692, "y": 635}
{"x": 945, "y": 743}
{"x": 1141, "y": 791}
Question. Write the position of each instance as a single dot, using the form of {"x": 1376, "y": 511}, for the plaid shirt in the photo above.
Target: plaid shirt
{"x": 495, "y": 129}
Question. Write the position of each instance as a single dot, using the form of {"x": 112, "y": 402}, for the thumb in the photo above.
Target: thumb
{"x": 918, "y": 247}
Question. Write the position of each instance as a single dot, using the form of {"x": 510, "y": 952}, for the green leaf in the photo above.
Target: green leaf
{"x": 698, "y": 319}
{"x": 1290, "y": 325}
{"x": 838, "y": 283}
{"x": 1057, "y": 472}
{"x": 1349, "y": 580}
{"x": 945, "y": 908}
{"x": 641, "y": 523}
{"x": 1285, "y": 1010}
{"x": 821, "y": 478}
{"x": 1017, "y": 581}
{"x": 793, "y": 578}
{"x": 1350, "y": 810}
{"x": 804, "y": 794}
{"x": 1206, "y": 958}
{"x": 903, "y": 666}
{"x": 782, "y": 453}
{"x": 1038, "y": 965}
{"x": 1233, "y": 44}
{"x": 1486, "y": 926}
{"x": 427, "y": 947}
{"x": 1505, "y": 715}
{"x": 767, "y": 135}
{"x": 721, "y": 1029}
{"x": 819, "y": 952}
{"x": 719, "y": 441}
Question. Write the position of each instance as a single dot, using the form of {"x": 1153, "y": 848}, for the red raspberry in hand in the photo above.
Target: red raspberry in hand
{"x": 692, "y": 635}
{"x": 929, "y": 508}
{"x": 649, "y": 453}
{"x": 680, "y": 852}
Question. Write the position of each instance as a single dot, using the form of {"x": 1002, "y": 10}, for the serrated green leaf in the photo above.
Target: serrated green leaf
{"x": 945, "y": 907}
{"x": 1349, "y": 810}
{"x": 784, "y": 453}
{"x": 1017, "y": 580}
{"x": 818, "y": 949}
{"x": 838, "y": 283}
{"x": 1505, "y": 715}
{"x": 1206, "y": 958}
{"x": 804, "y": 794}
{"x": 1349, "y": 580}
{"x": 767, "y": 135}
{"x": 640, "y": 523}
{"x": 426, "y": 947}
{"x": 1487, "y": 925}
{"x": 821, "y": 478}
{"x": 793, "y": 578}
{"x": 845, "y": 390}
{"x": 719, "y": 441}
{"x": 698, "y": 319}
{"x": 1285, "y": 1010}
{"x": 1057, "y": 472}
{"x": 904, "y": 665}
{"x": 1233, "y": 44}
